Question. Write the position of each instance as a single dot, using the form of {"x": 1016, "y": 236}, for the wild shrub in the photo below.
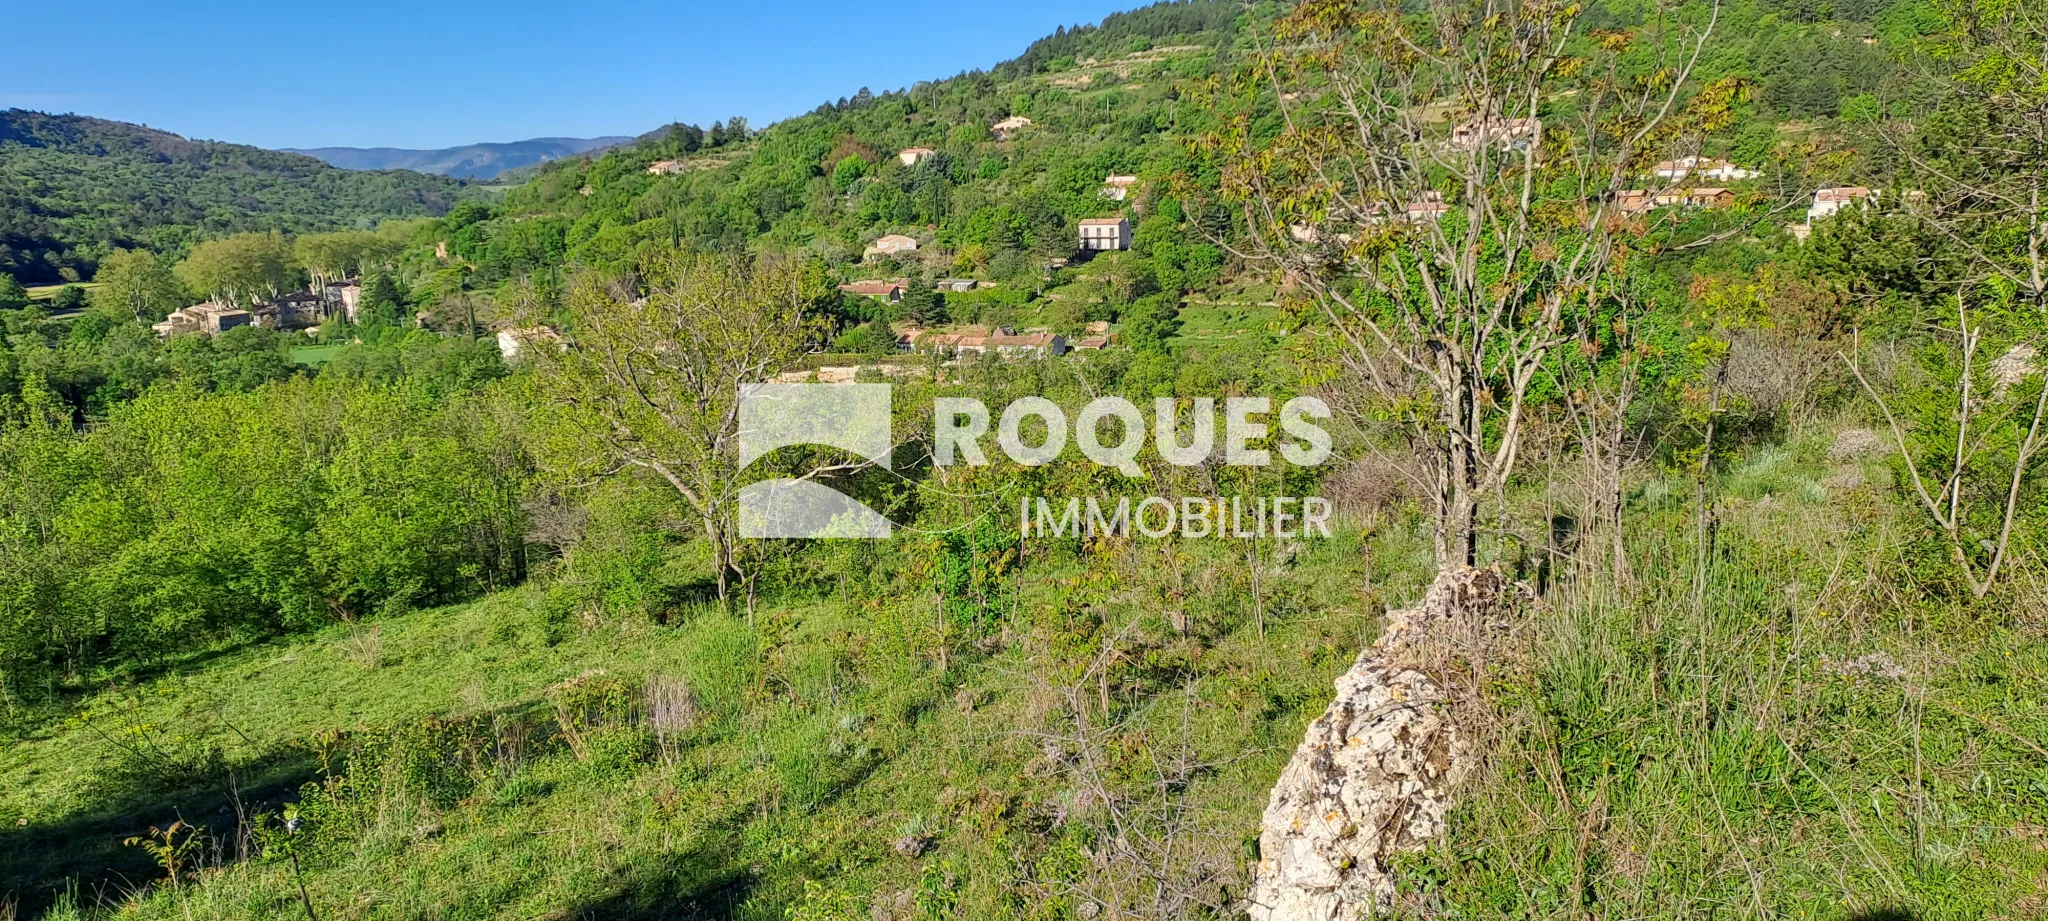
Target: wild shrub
{"x": 589, "y": 705}
{"x": 184, "y": 519}
{"x": 149, "y": 751}
{"x": 672, "y": 713}
{"x": 615, "y": 754}
{"x": 394, "y": 780}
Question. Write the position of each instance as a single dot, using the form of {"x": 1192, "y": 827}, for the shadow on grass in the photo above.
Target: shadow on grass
{"x": 681, "y": 601}
{"x": 690, "y": 888}
{"x": 39, "y": 861}
{"x": 193, "y": 663}
{"x": 1886, "y": 914}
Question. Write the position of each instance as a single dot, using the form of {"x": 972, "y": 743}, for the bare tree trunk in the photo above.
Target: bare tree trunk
{"x": 1457, "y": 539}
{"x": 1703, "y": 507}
{"x": 721, "y": 557}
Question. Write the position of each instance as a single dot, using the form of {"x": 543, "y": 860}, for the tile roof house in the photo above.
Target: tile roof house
{"x": 912, "y": 156}
{"x": 296, "y": 310}
{"x": 1830, "y": 200}
{"x": 207, "y": 318}
{"x": 1009, "y": 127}
{"x": 977, "y": 340}
{"x": 1036, "y": 344}
{"x": 1101, "y": 234}
{"x": 891, "y": 244}
{"x": 960, "y": 344}
{"x": 1695, "y": 198}
{"x": 891, "y": 291}
{"x": 342, "y": 297}
{"x": 513, "y": 341}
{"x": 1710, "y": 197}
{"x": 1429, "y": 206}
{"x": 956, "y": 285}
{"x": 1638, "y": 201}
{"x": 1704, "y": 166}
{"x": 1506, "y": 133}
{"x": 666, "y": 167}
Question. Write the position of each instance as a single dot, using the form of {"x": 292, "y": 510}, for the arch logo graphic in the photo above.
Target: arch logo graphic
{"x": 851, "y": 417}
{"x": 856, "y": 418}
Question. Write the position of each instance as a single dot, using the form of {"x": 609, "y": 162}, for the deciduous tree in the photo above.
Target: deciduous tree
{"x": 233, "y": 270}
{"x": 652, "y": 382}
{"x": 134, "y": 280}
{"x": 345, "y": 254}
{"x": 1442, "y": 187}
{"x": 12, "y": 295}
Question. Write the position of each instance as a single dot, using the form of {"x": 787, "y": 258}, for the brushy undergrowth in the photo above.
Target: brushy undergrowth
{"x": 937, "y": 732}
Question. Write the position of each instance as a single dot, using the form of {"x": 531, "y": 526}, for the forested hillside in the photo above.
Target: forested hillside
{"x": 73, "y": 188}
{"x": 1717, "y": 327}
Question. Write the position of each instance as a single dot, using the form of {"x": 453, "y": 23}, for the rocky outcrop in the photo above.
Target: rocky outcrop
{"x": 2016, "y": 365}
{"x": 1375, "y": 774}
{"x": 1855, "y": 444}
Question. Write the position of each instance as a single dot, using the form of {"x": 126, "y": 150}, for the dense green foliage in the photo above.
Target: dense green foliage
{"x": 185, "y": 518}
{"x": 72, "y": 189}
{"x": 411, "y": 631}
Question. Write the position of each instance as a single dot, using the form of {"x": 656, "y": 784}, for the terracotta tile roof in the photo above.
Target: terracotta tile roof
{"x": 1021, "y": 339}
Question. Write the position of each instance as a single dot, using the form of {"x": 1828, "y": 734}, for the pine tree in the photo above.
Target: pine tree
{"x": 923, "y": 304}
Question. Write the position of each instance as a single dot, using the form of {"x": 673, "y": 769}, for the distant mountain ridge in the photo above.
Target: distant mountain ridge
{"x": 469, "y": 161}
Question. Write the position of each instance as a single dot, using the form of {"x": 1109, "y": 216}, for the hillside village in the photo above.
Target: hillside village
{"x": 305, "y": 311}
{"x": 1103, "y": 219}
{"x": 298, "y": 311}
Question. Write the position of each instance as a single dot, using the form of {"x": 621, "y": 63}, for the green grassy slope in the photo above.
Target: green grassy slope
{"x": 1809, "y": 742}
{"x": 821, "y": 742}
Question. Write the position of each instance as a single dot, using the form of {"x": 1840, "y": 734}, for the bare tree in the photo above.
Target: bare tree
{"x": 1158, "y": 855}
{"x": 1984, "y": 451}
{"x": 1602, "y": 379}
{"x": 1968, "y": 429}
{"x": 654, "y": 382}
{"x": 1445, "y": 187}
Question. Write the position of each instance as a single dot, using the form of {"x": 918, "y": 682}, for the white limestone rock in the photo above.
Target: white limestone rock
{"x": 1376, "y": 773}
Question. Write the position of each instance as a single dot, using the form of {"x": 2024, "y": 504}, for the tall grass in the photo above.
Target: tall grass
{"x": 1820, "y": 738}
{"x": 1801, "y": 729}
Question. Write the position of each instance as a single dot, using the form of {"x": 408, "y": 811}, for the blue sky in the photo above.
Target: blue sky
{"x": 430, "y": 73}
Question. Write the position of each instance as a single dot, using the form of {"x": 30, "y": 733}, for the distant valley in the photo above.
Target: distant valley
{"x": 470, "y": 161}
